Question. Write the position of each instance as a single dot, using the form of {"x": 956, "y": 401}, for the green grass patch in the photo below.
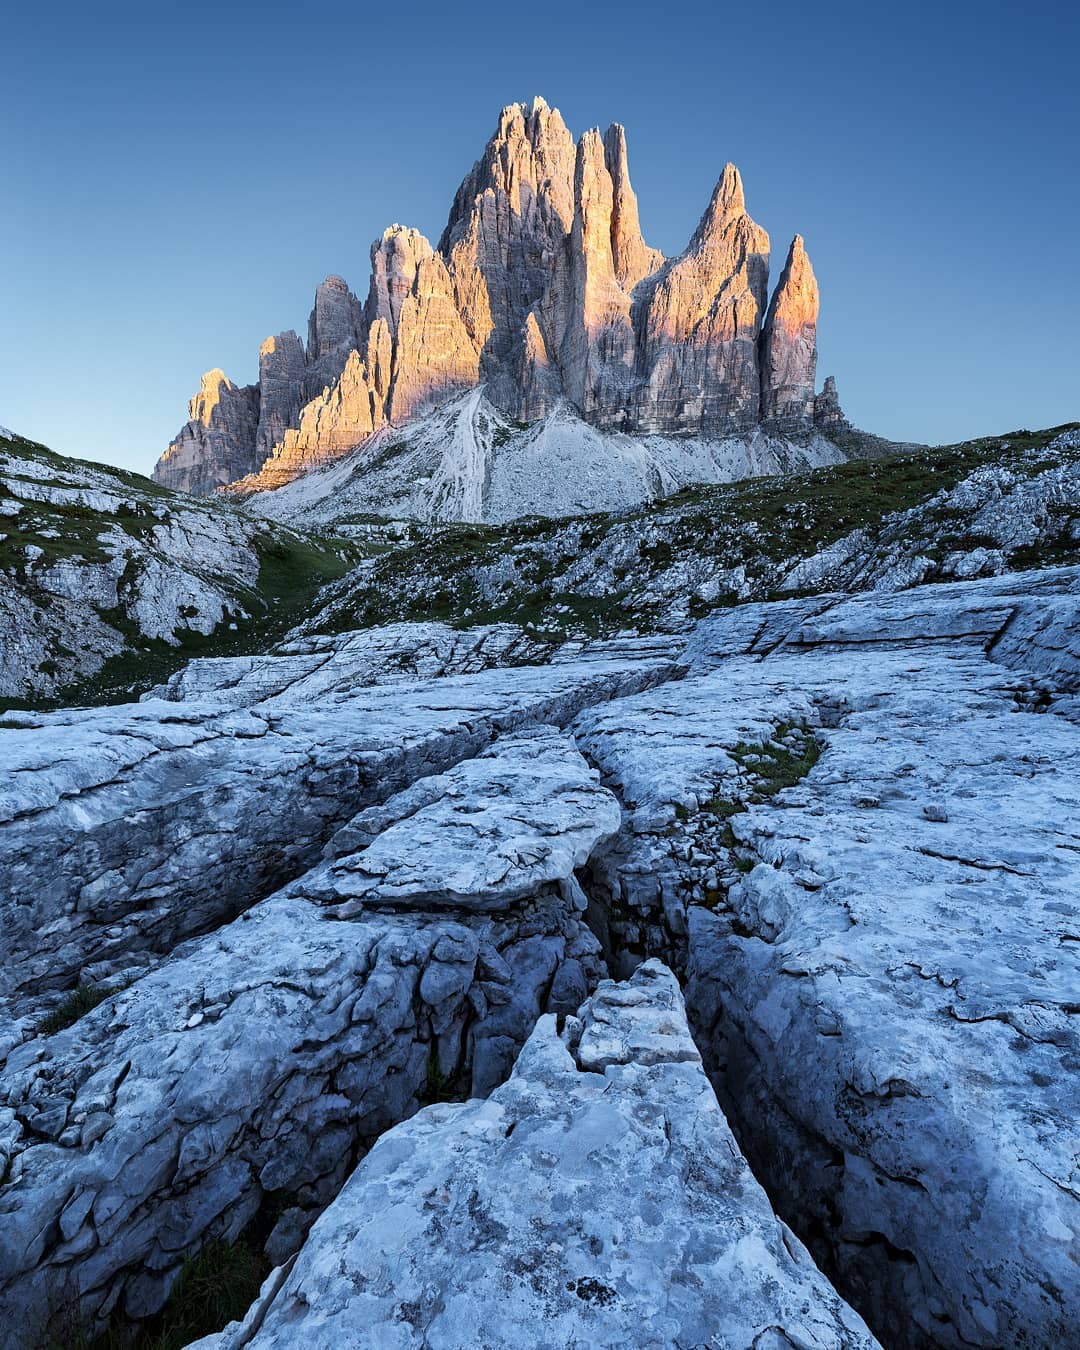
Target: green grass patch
{"x": 77, "y": 1004}
{"x": 773, "y": 768}
{"x": 291, "y": 572}
{"x": 214, "y": 1288}
{"x": 467, "y": 575}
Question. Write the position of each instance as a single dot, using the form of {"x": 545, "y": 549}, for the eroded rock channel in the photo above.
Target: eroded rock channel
{"x": 324, "y": 901}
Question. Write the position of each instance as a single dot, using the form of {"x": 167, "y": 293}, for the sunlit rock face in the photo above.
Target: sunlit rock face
{"x": 789, "y": 346}
{"x": 335, "y": 322}
{"x": 543, "y": 289}
{"x": 217, "y": 444}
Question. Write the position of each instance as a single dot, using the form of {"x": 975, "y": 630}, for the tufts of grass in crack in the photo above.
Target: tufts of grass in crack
{"x": 774, "y": 766}
{"x": 214, "y": 1288}
{"x": 78, "y": 1003}
{"x": 770, "y": 767}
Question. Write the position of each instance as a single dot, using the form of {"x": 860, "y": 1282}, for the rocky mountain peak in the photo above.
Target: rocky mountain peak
{"x": 633, "y": 258}
{"x": 728, "y": 203}
{"x": 542, "y": 289}
{"x": 395, "y": 259}
{"x": 335, "y": 322}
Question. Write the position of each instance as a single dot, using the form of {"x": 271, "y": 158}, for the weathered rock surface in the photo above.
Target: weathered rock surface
{"x": 124, "y": 830}
{"x": 449, "y": 841}
{"x": 542, "y": 290}
{"x": 217, "y": 443}
{"x": 596, "y": 1198}
{"x": 881, "y": 956}
{"x": 253, "y": 1064}
{"x": 347, "y": 877}
{"x": 274, "y": 1048}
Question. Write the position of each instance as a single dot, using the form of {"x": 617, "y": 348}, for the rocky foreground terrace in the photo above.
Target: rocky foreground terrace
{"x": 331, "y": 957}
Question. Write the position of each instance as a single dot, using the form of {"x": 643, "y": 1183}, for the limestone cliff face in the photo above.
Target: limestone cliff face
{"x": 701, "y": 323}
{"x": 789, "y": 344}
{"x": 335, "y": 324}
{"x": 282, "y": 366}
{"x": 507, "y": 226}
{"x": 543, "y": 289}
{"x": 217, "y": 444}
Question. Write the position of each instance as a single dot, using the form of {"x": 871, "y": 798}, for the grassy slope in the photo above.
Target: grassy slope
{"x": 293, "y": 566}
{"x": 754, "y": 523}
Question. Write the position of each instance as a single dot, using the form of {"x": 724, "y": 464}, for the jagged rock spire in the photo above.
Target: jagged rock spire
{"x": 698, "y": 350}
{"x": 789, "y": 344}
{"x": 336, "y": 320}
{"x": 633, "y": 258}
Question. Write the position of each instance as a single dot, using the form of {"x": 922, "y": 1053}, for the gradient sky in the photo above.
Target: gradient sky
{"x": 176, "y": 179}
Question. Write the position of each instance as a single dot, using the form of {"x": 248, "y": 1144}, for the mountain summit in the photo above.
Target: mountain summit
{"x": 543, "y": 290}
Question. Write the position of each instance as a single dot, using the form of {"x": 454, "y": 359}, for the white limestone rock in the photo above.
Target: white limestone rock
{"x": 102, "y": 561}
{"x": 886, "y": 981}
{"x": 257, "y": 1061}
{"x": 597, "y": 1198}
{"x": 451, "y": 842}
{"x": 124, "y": 830}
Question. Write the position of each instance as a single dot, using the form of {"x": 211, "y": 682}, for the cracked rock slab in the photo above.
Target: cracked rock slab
{"x": 597, "y": 1198}
{"x": 888, "y": 981}
{"x": 521, "y": 816}
{"x": 255, "y": 1062}
{"x": 125, "y": 830}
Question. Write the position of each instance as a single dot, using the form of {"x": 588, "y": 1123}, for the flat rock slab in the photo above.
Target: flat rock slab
{"x": 597, "y": 1198}
{"x": 523, "y": 815}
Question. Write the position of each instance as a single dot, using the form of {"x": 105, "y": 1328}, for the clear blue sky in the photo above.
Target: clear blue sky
{"x": 177, "y": 178}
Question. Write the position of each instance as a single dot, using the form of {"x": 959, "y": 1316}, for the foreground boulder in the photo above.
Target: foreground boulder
{"x": 254, "y": 1064}
{"x": 597, "y": 1198}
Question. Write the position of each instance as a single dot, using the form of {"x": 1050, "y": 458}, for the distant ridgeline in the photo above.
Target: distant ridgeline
{"x": 543, "y": 290}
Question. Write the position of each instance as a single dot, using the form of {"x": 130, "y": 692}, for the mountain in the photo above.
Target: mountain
{"x": 543, "y": 291}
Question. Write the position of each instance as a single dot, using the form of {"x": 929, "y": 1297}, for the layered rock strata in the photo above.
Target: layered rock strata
{"x": 597, "y": 1198}
{"x": 542, "y": 289}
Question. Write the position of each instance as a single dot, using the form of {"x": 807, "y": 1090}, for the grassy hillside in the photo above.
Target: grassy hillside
{"x": 112, "y": 582}
{"x": 674, "y": 560}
